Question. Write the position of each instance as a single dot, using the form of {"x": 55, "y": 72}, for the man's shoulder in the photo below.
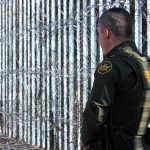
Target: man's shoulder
{"x": 109, "y": 66}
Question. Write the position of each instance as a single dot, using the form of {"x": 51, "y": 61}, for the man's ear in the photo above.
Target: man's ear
{"x": 107, "y": 33}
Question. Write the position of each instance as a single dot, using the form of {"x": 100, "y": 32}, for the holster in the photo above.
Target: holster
{"x": 114, "y": 139}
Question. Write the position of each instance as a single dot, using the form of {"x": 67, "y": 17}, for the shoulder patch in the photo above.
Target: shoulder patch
{"x": 104, "y": 67}
{"x": 147, "y": 75}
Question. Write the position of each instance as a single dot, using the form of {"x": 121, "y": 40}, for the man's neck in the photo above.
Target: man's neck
{"x": 114, "y": 42}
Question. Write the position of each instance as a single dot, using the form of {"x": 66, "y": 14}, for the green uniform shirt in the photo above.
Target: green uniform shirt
{"x": 119, "y": 84}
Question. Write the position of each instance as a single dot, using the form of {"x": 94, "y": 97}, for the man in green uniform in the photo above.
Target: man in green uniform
{"x": 120, "y": 93}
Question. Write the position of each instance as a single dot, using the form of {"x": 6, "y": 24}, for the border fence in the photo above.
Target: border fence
{"x": 48, "y": 54}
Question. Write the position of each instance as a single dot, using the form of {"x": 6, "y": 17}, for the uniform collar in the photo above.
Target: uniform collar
{"x": 119, "y": 47}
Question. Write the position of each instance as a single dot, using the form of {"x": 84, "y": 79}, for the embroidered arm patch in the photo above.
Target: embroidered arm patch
{"x": 104, "y": 67}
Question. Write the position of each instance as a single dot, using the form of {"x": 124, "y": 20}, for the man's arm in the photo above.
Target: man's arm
{"x": 97, "y": 108}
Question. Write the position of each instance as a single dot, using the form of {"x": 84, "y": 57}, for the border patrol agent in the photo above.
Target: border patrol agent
{"x": 120, "y": 96}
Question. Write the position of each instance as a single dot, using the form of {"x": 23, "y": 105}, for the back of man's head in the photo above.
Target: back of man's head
{"x": 119, "y": 21}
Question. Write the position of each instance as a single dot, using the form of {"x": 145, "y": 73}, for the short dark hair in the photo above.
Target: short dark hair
{"x": 119, "y": 21}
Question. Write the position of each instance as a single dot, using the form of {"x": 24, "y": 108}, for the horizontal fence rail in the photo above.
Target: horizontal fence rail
{"x": 48, "y": 54}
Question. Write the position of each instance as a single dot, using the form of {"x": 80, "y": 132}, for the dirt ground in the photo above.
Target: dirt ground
{"x": 7, "y": 143}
